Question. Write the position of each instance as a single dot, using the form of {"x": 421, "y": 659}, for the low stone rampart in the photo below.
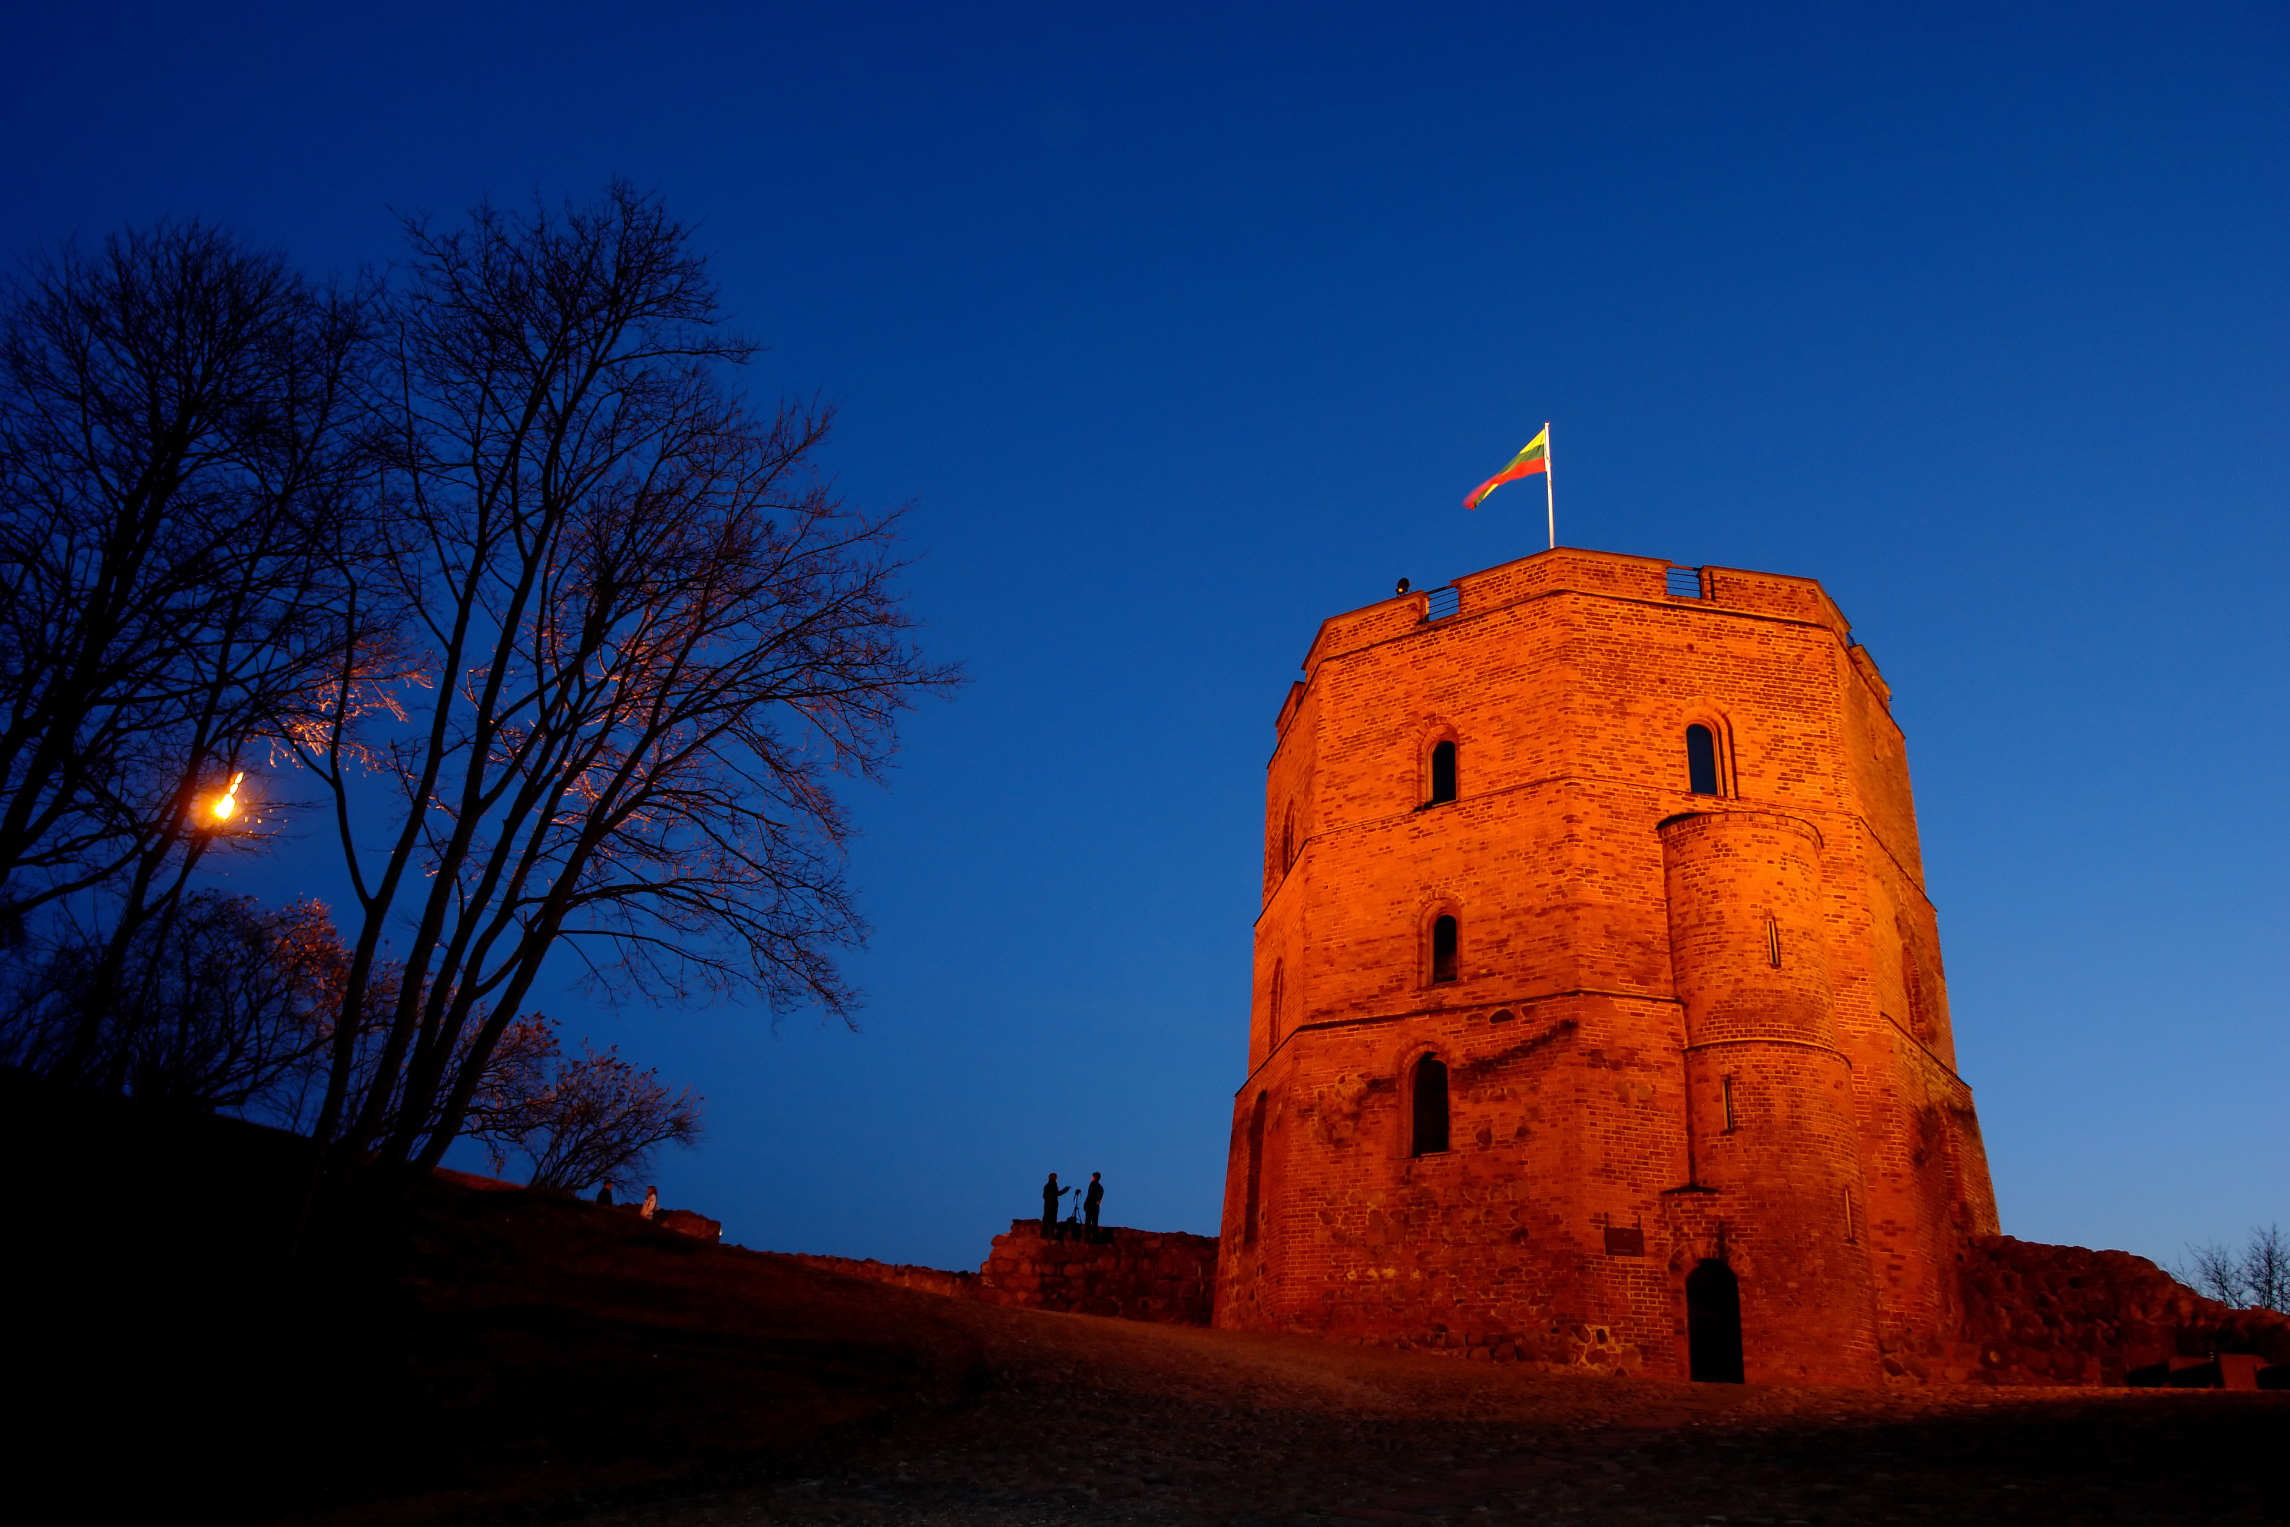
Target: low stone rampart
{"x": 1163, "y": 1276}
{"x": 2064, "y": 1315}
{"x": 927, "y": 1280}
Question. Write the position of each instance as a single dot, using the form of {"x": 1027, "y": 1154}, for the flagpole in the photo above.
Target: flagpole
{"x": 1550, "y": 495}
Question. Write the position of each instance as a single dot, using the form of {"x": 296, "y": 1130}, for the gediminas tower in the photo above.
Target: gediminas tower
{"x": 1598, "y": 1010}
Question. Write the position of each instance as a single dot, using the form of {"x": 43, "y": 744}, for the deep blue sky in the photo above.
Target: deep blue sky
{"x": 1182, "y": 328}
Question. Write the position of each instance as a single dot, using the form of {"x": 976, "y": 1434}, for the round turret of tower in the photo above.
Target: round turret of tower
{"x": 1772, "y": 1137}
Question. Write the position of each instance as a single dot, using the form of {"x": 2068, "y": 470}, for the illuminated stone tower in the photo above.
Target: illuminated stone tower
{"x": 1598, "y": 1010}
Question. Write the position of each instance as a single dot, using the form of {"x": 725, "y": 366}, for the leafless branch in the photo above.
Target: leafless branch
{"x": 654, "y": 641}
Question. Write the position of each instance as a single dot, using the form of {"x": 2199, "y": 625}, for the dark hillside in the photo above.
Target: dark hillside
{"x": 456, "y": 1354}
{"x": 466, "y": 1346}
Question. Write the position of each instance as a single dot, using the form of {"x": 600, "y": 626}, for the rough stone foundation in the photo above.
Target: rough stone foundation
{"x": 2033, "y": 1314}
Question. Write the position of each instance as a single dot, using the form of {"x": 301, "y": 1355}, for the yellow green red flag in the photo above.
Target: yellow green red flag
{"x": 1535, "y": 458}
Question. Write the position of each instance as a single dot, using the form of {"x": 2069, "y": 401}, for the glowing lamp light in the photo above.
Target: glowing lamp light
{"x": 226, "y": 805}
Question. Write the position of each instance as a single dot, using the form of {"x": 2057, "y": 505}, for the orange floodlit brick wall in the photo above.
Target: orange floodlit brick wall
{"x": 1690, "y": 1033}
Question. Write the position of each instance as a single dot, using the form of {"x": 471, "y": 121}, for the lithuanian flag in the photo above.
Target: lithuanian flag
{"x": 1535, "y": 458}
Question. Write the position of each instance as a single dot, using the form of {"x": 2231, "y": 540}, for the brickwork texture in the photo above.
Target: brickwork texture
{"x": 1683, "y": 1028}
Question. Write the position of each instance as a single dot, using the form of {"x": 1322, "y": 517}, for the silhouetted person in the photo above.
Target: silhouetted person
{"x": 651, "y": 1202}
{"x": 1090, "y": 1201}
{"x": 604, "y": 1195}
{"x": 1051, "y": 1193}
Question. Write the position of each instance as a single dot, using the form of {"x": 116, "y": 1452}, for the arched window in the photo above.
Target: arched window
{"x": 1701, "y": 760}
{"x": 1253, "y": 1204}
{"x": 1430, "y": 1107}
{"x": 1442, "y": 773}
{"x": 1445, "y": 937}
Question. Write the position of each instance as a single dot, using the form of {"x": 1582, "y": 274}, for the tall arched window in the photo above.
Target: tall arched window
{"x": 1446, "y": 937}
{"x": 1430, "y": 1134}
{"x": 1701, "y": 760}
{"x": 1442, "y": 773}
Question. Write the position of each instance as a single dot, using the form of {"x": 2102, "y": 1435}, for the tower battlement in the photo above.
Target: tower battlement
{"x": 1596, "y": 989}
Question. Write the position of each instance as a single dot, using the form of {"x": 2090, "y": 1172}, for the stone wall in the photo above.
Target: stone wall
{"x": 2054, "y": 1315}
{"x": 1163, "y": 1276}
{"x": 927, "y": 1280}
{"x": 1166, "y": 1276}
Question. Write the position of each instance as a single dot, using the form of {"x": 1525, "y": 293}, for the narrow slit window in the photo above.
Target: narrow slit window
{"x": 1773, "y": 942}
{"x": 1253, "y": 1204}
{"x": 1725, "y": 1099}
{"x": 1701, "y": 760}
{"x": 1272, "y": 1006}
{"x": 1852, "y": 1231}
{"x": 1443, "y": 773}
{"x": 1912, "y": 986}
{"x": 1444, "y": 938}
{"x": 1430, "y": 1106}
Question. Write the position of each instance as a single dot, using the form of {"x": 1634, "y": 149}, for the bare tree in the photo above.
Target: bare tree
{"x": 218, "y": 1004}
{"x": 651, "y": 636}
{"x": 176, "y": 470}
{"x": 501, "y": 1108}
{"x": 2256, "y": 1277}
{"x": 2266, "y": 1269}
{"x": 2214, "y": 1272}
{"x": 580, "y": 1122}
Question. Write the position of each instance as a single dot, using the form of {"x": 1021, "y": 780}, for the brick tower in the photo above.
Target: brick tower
{"x": 1598, "y": 1011}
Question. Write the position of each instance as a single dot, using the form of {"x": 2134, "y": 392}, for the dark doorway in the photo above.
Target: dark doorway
{"x": 1430, "y": 1106}
{"x": 1444, "y": 942}
{"x": 1713, "y": 1324}
{"x": 1701, "y": 760}
{"x": 1443, "y": 773}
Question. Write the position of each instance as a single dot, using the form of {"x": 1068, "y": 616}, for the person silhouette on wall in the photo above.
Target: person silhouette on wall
{"x": 1051, "y": 1193}
{"x": 1090, "y": 1201}
{"x": 651, "y": 1203}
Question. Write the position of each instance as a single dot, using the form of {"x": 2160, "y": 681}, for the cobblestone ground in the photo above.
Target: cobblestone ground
{"x": 1123, "y": 1424}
